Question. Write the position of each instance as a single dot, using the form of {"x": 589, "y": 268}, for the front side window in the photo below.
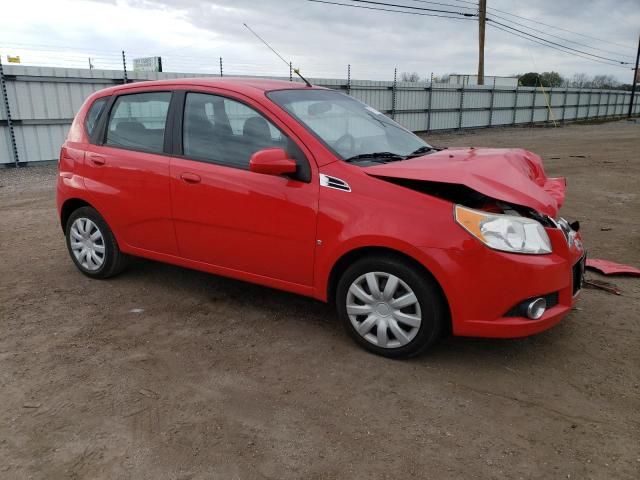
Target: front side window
{"x": 220, "y": 130}
{"x": 138, "y": 121}
{"x": 93, "y": 115}
{"x": 353, "y": 130}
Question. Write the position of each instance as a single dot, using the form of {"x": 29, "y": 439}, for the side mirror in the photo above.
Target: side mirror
{"x": 272, "y": 161}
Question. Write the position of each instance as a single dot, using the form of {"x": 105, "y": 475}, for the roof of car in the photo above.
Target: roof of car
{"x": 238, "y": 84}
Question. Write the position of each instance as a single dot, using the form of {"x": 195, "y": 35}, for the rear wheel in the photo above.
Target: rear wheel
{"x": 389, "y": 306}
{"x": 91, "y": 244}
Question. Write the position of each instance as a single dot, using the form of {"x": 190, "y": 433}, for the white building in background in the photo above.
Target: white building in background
{"x": 459, "y": 79}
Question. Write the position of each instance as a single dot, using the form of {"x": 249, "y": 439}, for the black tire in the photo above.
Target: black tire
{"x": 431, "y": 303}
{"x": 114, "y": 260}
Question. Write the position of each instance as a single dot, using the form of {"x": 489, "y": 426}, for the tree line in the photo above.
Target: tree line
{"x": 578, "y": 80}
{"x": 535, "y": 79}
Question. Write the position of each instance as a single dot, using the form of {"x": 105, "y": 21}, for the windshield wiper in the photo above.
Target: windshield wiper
{"x": 381, "y": 155}
{"x": 421, "y": 151}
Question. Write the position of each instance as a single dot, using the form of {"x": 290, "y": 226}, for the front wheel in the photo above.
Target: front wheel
{"x": 389, "y": 306}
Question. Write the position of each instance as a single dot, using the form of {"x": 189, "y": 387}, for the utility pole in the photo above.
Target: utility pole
{"x": 634, "y": 81}
{"x": 482, "y": 21}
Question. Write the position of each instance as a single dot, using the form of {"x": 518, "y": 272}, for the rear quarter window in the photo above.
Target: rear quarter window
{"x": 93, "y": 115}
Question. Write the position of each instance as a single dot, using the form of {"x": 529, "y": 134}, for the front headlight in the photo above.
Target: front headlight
{"x": 508, "y": 233}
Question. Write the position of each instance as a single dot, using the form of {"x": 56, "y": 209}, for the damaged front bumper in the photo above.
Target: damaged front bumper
{"x": 485, "y": 287}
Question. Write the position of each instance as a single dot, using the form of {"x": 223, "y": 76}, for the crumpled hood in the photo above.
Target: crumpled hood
{"x": 512, "y": 175}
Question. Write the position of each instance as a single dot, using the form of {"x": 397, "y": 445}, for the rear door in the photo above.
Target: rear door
{"x": 127, "y": 172}
{"x": 230, "y": 217}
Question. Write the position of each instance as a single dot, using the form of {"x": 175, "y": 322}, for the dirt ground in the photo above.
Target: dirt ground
{"x": 167, "y": 373}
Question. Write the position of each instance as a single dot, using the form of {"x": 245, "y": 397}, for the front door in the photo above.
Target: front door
{"x": 230, "y": 217}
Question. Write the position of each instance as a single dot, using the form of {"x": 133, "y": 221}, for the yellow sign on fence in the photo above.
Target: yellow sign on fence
{"x": 15, "y": 59}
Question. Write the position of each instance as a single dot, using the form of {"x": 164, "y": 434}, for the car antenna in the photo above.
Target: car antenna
{"x": 296, "y": 70}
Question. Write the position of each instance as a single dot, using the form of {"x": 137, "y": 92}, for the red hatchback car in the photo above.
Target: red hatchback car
{"x": 309, "y": 190}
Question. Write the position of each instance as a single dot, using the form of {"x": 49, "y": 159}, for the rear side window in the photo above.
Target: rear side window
{"x": 94, "y": 114}
{"x": 138, "y": 121}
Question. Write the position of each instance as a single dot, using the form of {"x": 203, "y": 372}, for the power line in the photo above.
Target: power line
{"x": 555, "y": 48}
{"x": 61, "y": 47}
{"x": 528, "y": 27}
{"x": 503, "y": 25}
{"x": 539, "y": 22}
{"x": 475, "y": 4}
{"x": 389, "y": 10}
{"x": 494, "y": 23}
{"x": 552, "y": 35}
{"x": 445, "y": 4}
{"x": 558, "y": 44}
{"x": 558, "y": 28}
{"x": 464, "y": 14}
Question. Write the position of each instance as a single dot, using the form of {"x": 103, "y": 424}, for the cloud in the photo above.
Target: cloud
{"x": 322, "y": 39}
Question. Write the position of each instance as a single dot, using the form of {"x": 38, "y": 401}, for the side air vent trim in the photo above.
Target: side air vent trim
{"x": 333, "y": 182}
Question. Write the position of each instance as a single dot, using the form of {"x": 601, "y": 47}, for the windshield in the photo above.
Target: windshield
{"x": 353, "y": 130}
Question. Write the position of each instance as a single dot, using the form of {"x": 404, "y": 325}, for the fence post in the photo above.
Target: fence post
{"x": 589, "y": 104}
{"x": 533, "y": 106}
{"x": 393, "y": 93}
{"x": 220, "y": 66}
{"x": 515, "y": 105}
{"x": 564, "y": 103}
{"x": 124, "y": 67}
{"x": 7, "y": 109}
{"x": 493, "y": 94}
{"x": 461, "y": 106}
{"x": 349, "y": 79}
{"x": 617, "y": 103}
{"x": 430, "y": 103}
{"x": 578, "y": 104}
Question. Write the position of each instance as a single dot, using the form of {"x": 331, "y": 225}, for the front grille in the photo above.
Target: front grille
{"x": 578, "y": 275}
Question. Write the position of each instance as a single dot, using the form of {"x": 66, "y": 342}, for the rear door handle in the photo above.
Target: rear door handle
{"x": 190, "y": 177}
{"x": 97, "y": 159}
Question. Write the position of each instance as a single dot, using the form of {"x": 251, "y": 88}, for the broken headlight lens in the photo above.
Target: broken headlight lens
{"x": 508, "y": 233}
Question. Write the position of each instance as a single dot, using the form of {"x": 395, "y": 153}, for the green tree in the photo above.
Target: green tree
{"x": 551, "y": 79}
{"x": 529, "y": 79}
{"x": 546, "y": 79}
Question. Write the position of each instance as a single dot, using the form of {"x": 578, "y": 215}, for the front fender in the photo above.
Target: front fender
{"x": 327, "y": 257}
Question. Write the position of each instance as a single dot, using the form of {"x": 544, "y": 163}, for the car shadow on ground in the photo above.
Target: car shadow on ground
{"x": 204, "y": 288}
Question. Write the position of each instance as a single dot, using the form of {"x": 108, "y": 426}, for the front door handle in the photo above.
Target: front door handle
{"x": 190, "y": 177}
{"x": 97, "y": 160}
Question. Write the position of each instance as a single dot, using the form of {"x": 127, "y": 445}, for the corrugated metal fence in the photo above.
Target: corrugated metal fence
{"x": 43, "y": 101}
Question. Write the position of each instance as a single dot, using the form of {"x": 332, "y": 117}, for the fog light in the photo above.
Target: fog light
{"x": 536, "y": 308}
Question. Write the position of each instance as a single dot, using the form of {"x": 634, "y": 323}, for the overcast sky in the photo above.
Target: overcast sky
{"x": 321, "y": 39}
